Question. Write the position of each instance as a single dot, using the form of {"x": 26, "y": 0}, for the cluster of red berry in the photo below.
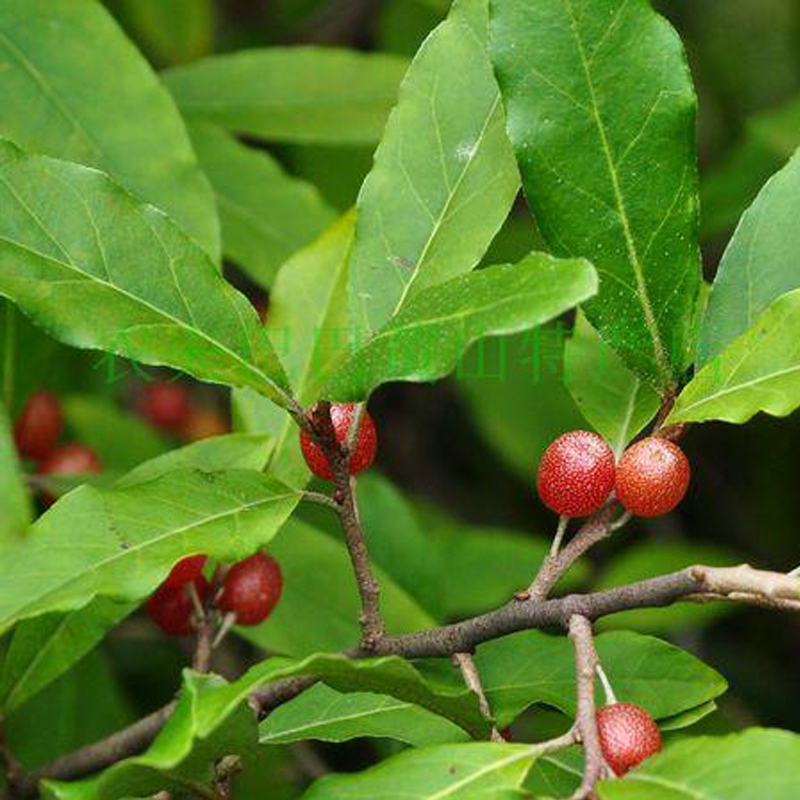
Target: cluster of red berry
{"x": 169, "y": 406}
{"x": 36, "y": 433}
{"x": 578, "y": 472}
{"x": 249, "y": 591}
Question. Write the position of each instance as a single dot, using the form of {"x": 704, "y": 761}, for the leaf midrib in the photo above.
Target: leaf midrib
{"x": 633, "y": 256}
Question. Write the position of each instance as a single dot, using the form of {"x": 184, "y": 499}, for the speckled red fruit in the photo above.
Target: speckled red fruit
{"x": 652, "y": 477}
{"x": 251, "y": 589}
{"x": 171, "y": 606}
{"x": 576, "y": 474}
{"x": 38, "y": 426}
{"x": 187, "y": 569}
{"x": 165, "y": 405}
{"x": 628, "y": 735}
{"x": 366, "y": 443}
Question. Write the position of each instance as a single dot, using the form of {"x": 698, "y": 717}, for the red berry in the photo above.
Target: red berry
{"x": 186, "y": 570}
{"x": 38, "y": 426}
{"x": 576, "y": 474}
{"x": 364, "y": 450}
{"x": 251, "y": 589}
{"x": 165, "y": 405}
{"x": 70, "y": 459}
{"x": 652, "y": 477}
{"x": 171, "y": 606}
{"x": 628, "y": 735}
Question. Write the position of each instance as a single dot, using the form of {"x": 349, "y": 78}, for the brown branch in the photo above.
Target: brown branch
{"x": 598, "y": 527}
{"x": 371, "y": 621}
{"x": 473, "y": 681}
{"x": 586, "y": 663}
{"x": 742, "y": 583}
{"x": 122, "y": 744}
{"x": 691, "y": 583}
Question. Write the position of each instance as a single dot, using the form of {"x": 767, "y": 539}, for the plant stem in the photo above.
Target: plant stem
{"x": 472, "y": 679}
{"x": 563, "y": 521}
{"x": 586, "y": 663}
{"x": 607, "y": 688}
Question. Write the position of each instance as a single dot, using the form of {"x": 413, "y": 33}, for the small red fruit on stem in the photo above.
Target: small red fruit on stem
{"x": 186, "y": 570}
{"x": 165, "y": 405}
{"x": 576, "y": 474}
{"x": 251, "y": 589}
{"x": 172, "y": 608}
{"x": 652, "y": 477}
{"x": 628, "y": 735}
{"x": 364, "y": 448}
{"x": 38, "y": 426}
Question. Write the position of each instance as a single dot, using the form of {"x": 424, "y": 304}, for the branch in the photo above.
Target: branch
{"x": 598, "y": 527}
{"x": 698, "y": 583}
{"x": 742, "y": 583}
{"x": 473, "y": 680}
{"x": 586, "y": 663}
{"x": 128, "y": 741}
{"x": 372, "y": 626}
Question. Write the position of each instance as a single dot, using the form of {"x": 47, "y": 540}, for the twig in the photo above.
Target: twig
{"x": 586, "y": 663}
{"x": 794, "y": 573}
{"x": 608, "y": 690}
{"x": 594, "y": 530}
{"x": 473, "y": 680}
{"x": 320, "y": 499}
{"x": 563, "y": 521}
{"x": 742, "y": 583}
{"x": 126, "y": 742}
{"x": 371, "y": 621}
{"x": 311, "y": 764}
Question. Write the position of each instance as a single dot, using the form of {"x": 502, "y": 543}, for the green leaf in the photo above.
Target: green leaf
{"x": 532, "y": 667}
{"x": 493, "y": 562}
{"x": 231, "y": 451}
{"x": 444, "y": 177}
{"x": 16, "y": 515}
{"x": 761, "y": 262}
{"x": 758, "y": 762}
{"x": 319, "y": 607}
{"x": 651, "y": 558}
{"x": 759, "y": 371}
{"x": 326, "y": 715}
{"x": 687, "y": 718}
{"x": 100, "y": 270}
{"x": 400, "y": 545}
{"x": 601, "y": 112}
{"x": 309, "y": 329}
{"x": 210, "y": 721}
{"x": 516, "y": 394}
{"x": 44, "y": 648}
{"x": 426, "y": 338}
{"x": 292, "y": 94}
{"x": 130, "y": 538}
{"x": 265, "y": 214}
{"x": 74, "y": 716}
{"x": 616, "y": 402}
{"x": 463, "y": 771}
{"x": 393, "y": 676}
{"x": 171, "y": 31}
{"x": 119, "y": 438}
{"x": 63, "y": 68}
{"x": 731, "y": 185}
